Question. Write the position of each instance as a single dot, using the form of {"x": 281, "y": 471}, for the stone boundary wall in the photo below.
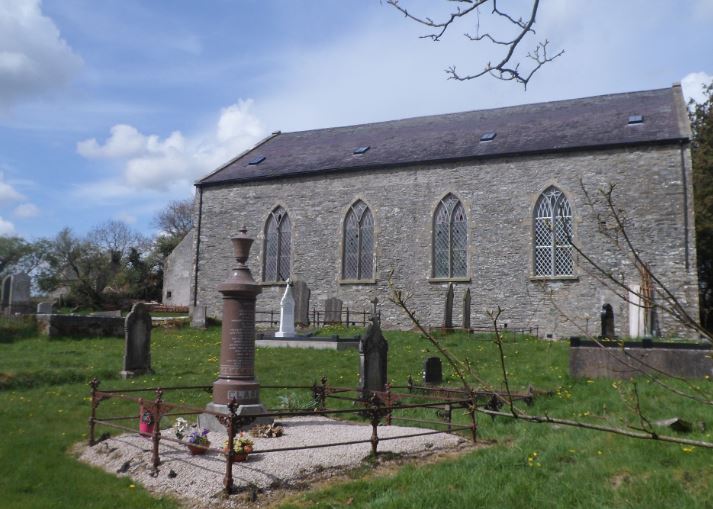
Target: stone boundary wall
{"x": 80, "y": 326}
{"x": 692, "y": 361}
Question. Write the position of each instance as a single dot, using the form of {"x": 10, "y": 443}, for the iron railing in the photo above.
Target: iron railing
{"x": 374, "y": 406}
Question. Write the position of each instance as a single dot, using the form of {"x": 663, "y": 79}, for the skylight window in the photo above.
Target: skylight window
{"x": 361, "y": 150}
{"x": 257, "y": 160}
{"x": 636, "y": 119}
{"x": 489, "y": 136}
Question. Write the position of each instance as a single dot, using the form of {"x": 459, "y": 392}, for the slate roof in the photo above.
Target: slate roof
{"x": 588, "y": 123}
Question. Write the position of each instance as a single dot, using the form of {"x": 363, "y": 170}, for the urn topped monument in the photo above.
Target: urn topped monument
{"x": 236, "y": 378}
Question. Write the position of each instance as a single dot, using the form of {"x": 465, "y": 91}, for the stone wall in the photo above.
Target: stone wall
{"x": 177, "y": 273}
{"x": 618, "y": 363}
{"x": 80, "y": 326}
{"x": 499, "y": 196}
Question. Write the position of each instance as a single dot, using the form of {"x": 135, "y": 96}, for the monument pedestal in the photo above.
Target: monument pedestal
{"x": 211, "y": 421}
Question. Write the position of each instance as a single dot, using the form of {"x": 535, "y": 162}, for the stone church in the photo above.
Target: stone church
{"x": 504, "y": 202}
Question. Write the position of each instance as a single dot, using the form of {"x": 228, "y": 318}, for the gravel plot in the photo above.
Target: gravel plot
{"x": 200, "y": 478}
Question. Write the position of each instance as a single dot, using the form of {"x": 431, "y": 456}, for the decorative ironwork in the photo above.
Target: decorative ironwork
{"x": 552, "y": 234}
{"x": 450, "y": 239}
{"x": 277, "y": 246}
{"x": 358, "y": 258}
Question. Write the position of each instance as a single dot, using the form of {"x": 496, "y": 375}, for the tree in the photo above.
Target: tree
{"x": 79, "y": 265}
{"x": 517, "y": 28}
{"x": 12, "y": 251}
{"x": 176, "y": 219}
{"x": 702, "y": 155}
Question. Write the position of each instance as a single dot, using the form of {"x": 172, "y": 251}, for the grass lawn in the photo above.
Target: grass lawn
{"x": 44, "y": 402}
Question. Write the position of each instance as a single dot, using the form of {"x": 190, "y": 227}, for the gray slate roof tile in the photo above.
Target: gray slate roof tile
{"x": 591, "y": 122}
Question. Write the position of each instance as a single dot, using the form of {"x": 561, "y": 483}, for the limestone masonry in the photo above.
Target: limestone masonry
{"x": 579, "y": 147}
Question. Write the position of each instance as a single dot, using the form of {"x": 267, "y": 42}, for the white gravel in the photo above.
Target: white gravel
{"x": 199, "y": 479}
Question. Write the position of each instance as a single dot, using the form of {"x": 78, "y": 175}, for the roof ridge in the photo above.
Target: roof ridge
{"x": 500, "y": 108}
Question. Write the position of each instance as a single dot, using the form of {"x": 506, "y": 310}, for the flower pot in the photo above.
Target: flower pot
{"x": 195, "y": 450}
{"x": 146, "y": 420}
{"x": 238, "y": 456}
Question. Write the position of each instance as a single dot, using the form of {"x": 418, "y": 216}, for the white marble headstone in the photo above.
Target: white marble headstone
{"x": 287, "y": 314}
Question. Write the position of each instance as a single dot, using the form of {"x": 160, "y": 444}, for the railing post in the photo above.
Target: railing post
{"x": 473, "y": 421}
{"x": 388, "y": 404}
{"x": 410, "y": 384}
{"x": 92, "y": 424}
{"x": 347, "y": 316}
{"x": 323, "y": 394}
{"x": 232, "y": 422}
{"x": 156, "y": 436}
{"x": 375, "y": 412}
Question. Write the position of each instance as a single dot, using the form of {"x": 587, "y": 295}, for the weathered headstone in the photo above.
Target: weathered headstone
{"x": 373, "y": 356}
{"x": 333, "y": 310}
{"x": 20, "y": 294}
{"x": 111, "y": 314}
{"x": 198, "y": 317}
{"x": 466, "y": 309}
{"x": 301, "y": 294}
{"x": 44, "y": 308}
{"x": 287, "y": 314}
{"x": 607, "y": 316}
{"x": 137, "y": 341}
{"x": 433, "y": 371}
{"x": 448, "y": 314}
{"x": 5, "y": 296}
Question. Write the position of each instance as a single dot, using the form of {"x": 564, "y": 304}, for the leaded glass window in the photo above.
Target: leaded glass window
{"x": 358, "y": 258}
{"x": 277, "y": 246}
{"x": 553, "y": 233}
{"x": 450, "y": 239}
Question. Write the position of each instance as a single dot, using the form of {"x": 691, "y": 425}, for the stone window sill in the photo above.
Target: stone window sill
{"x": 357, "y": 281}
{"x": 554, "y": 278}
{"x": 449, "y": 280}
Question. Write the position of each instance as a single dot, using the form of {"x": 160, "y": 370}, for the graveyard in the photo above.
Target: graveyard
{"x": 45, "y": 397}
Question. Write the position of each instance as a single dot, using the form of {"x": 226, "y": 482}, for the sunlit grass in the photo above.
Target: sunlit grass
{"x": 44, "y": 401}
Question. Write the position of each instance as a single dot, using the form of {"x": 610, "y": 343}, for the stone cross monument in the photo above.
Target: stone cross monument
{"x": 236, "y": 377}
{"x": 287, "y": 314}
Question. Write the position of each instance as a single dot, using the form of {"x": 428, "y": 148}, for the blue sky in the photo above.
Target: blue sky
{"x": 109, "y": 109}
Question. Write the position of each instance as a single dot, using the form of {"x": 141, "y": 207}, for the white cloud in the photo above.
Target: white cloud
{"x": 26, "y": 210}
{"x": 125, "y": 141}
{"x": 6, "y": 227}
{"x": 7, "y": 192}
{"x": 152, "y": 163}
{"x": 693, "y": 84}
{"x": 34, "y": 58}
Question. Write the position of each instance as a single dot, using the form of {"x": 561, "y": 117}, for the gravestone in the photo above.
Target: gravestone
{"x": 333, "y": 310}
{"x": 137, "y": 341}
{"x": 607, "y": 316}
{"x": 44, "y": 308}
{"x": 287, "y": 314}
{"x": 301, "y": 294}
{"x": 111, "y": 314}
{"x": 19, "y": 301}
{"x": 373, "y": 355}
{"x": 466, "y": 309}
{"x": 433, "y": 371}
{"x": 5, "y": 296}
{"x": 448, "y": 315}
{"x": 198, "y": 317}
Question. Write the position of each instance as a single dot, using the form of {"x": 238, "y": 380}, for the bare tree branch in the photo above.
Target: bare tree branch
{"x": 505, "y": 69}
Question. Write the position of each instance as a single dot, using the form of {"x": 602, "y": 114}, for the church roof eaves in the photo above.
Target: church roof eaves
{"x": 599, "y": 122}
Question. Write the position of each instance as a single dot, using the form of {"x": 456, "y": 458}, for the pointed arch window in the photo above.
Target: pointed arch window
{"x": 450, "y": 239}
{"x": 277, "y": 246}
{"x": 552, "y": 232}
{"x": 358, "y": 259}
